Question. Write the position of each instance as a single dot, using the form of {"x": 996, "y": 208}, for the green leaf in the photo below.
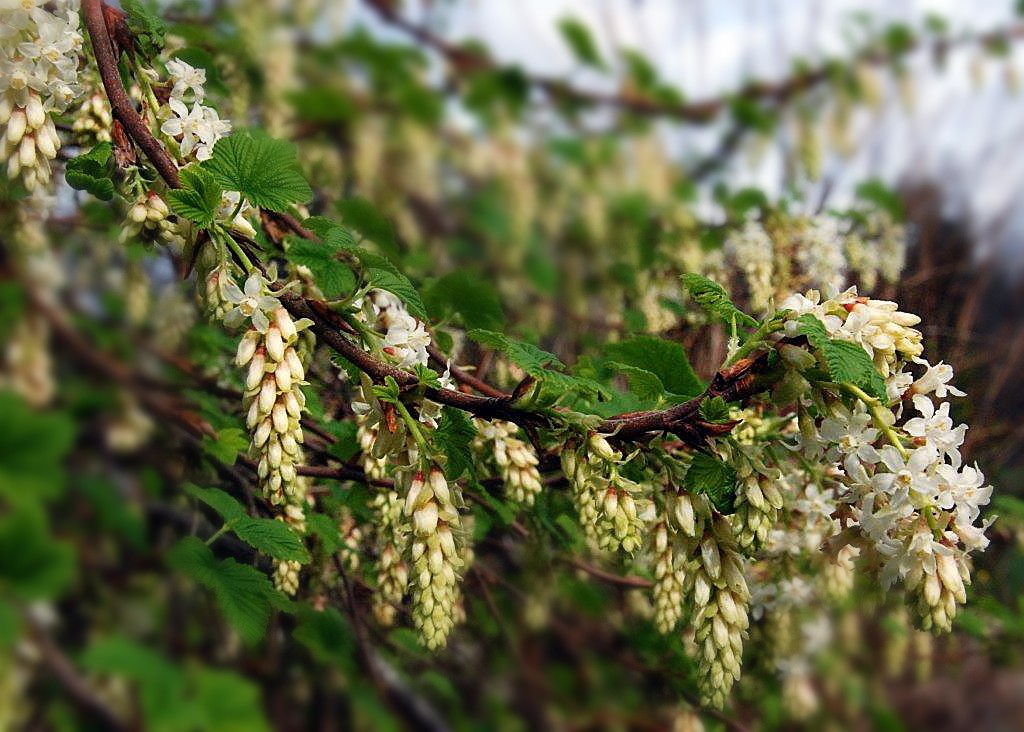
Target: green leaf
{"x": 454, "y": 436}
{"x": 230, "y": 441}
{"x": 644, "y": 384}
{"x": 271, "y": 536}
{"x": 146, "y": 26}
{"x": 263, "y": 169}
{"x": 848, "y": 363}
{"x": 581, "y": 42}
{"x": 715, "y": 409}
{"x": 346, "y": 446}
{"x": 384, "y": 275}
{"x": 226, "y": 507}
{"x": 473, "y": 299}
{"x": 198, "y": 198}
{"x": 665, "y": 359}
{"x": 334, "y": 278}
{"x": 32, "y": 450}
{"x": 227, "y": 702}
{"x": 12, "y": 305}
{"x": 326, "y": 635}
{"x": 715, "y": 479}
{"x": 325, "y": 529}
{"x": 363, "y": 217}
{"x": 715, "y": 300}
{"x": 113, "y": 513}
{"x": 33, "y": 566}
{"x": 332, "y": 233}
{"x": 91, "y": 172}
{"x": 243, "y": 593}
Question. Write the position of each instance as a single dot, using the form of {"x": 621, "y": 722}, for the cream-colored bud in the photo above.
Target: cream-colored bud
{"x": 35, "y": 116}
{"x": 15, "y": 127}
{"x": 275, "y": 344}
{"x": 268, "y": 395}
{"x": 280, "y": 417}
{"x": 425, "y": 519}
{"x": 247, "y": 348}
{"x": 284, "y": 324}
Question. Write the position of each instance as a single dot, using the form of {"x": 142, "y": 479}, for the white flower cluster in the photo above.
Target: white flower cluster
{"x": 39, "y": 55}
{"x": 93, "y": 120}
{"x": 437, "y": 556}
{"x": 274, "y": 400}
{"x": 606, "y": 500}
{"x": 914, "y": 504}
{"x": 515, "y": 459}
{"x": 819, "y": 252}
{"x": 754, "y": 253}
{"x": 392, "y": 570}
{"x": 149, "y": 217}
{"x": 669, "y": 576}
{"x": 197, "y": 127}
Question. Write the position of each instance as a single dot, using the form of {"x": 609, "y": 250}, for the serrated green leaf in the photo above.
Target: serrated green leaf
{"x": 146, "y": 26}
{"x": 230, "y": 441}
{"x": 263, "y": 169}
{"x": 244, "y": 594}
{"x": 715, "y": 300}
{"x": 848, "y": 363}
{"x": 226, "y": 506}
{"x": 473, "y": 299}
{"x": 331, "y": 232}
{"x": 198, "y": 198}
{"x": 715, "y": 409}
{"x": 665, "y": 359}
{"x": 715, "y": 479}
{"x": 334, "y": 278}
{"x": 384, "y": 275}
{"x": 581, "y": 42}
{"x": 90, "y": 172}
{"x": 645, "y": 385}
{"x": 272, "y": 537}
{"x": 454, "y": 436}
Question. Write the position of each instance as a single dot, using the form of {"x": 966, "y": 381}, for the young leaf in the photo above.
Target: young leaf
{"x": 384, "y": 275}
{"x": 454, "y": 436}
{"x": 665, "y": 359}
{"x": 91, "y": 172}
{"x": 263, "y": 169}
{"x": 715, "y": 409}
{"x": 473, "y": 299}
{"x": 334, "y": 278}
{"x": 198, "y": 198}
{"x": 715, "y": 300}
{"x": 848, "y": 363}
{"x": 146, "y": 26}
{"x": 579, "y": 39}
{"x": 715, "y": 479}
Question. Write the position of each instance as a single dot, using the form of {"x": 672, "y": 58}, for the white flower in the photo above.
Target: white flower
{"x": 910, "y": 477}
{"x": 249, "y": 303}
{"x": 936, "y": 379}
{"x": 406, "y": 339}
{"x": 852, "y": 434}
{"x": 199, "y": 128}
{"x": 937, "y": 428}
{"x": 186, "y": 78}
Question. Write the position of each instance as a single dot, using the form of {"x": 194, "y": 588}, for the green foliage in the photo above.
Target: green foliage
{"x": 91, "y": 171}
{"x": 581, "y": 42}
{"x": 715, "y": 479}
{"x": 225, "y": 448}
{"x": 326, "y": 635}
{"x": 454, "y": 436}
{"x": 174, "y": 699}
{"x": 665, "y": 359}
{"x": 715, "y": 409}
{"x": 645, "y": 384}
{"x": 876, "y": 192}
{"x": 334, "y": 278}
{"x": 269, "y": 536}
{"x": 384, "y": 275}
{"x": 12, "y": 305}
{"x": 364, "y": 218}
{"x": 472, "y": 299}
{"x": 146, "y": 26}
{"x": 715, "y": 300}
{"x": 33, "y": 565}
{"x": 198, "y": 197}
{"x": 32, "y": 449}
{"x": 244, "y": 594}
{"x": 263, "y": 169}
{"x": 847, "y": 362}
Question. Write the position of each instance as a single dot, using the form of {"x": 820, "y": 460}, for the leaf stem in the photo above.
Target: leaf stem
{"x": 876, "y": 409}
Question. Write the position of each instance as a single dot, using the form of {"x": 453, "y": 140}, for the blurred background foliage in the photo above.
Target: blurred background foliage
{"x": 556, "y": 194}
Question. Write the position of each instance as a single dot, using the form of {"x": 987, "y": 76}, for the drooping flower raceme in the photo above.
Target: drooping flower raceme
{"x": 39, "y": 56}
